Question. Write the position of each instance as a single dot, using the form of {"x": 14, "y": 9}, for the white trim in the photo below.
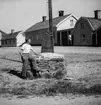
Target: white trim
{"x": 19, "y": 34}
{"x": 71, "y": 15}
{"x": 90, "y": 23}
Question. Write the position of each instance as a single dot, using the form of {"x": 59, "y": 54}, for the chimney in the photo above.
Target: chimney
{"x": 43, "y": 18}
{"x": 61, "y": 13}
{"x": 97, "y": 14}
{"x": 12, "y": 31}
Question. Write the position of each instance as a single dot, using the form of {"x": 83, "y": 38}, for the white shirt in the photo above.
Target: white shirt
{"x": 26, "y": 48}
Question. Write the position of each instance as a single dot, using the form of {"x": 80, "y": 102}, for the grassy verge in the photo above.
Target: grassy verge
{"x": 85, "y": 67}
{"x": 50, "y": 87}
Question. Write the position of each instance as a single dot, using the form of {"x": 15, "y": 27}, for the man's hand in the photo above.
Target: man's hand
{"x": 40, "y": 56}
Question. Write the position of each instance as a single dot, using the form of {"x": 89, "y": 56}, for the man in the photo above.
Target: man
{"x": 27, "y": 58}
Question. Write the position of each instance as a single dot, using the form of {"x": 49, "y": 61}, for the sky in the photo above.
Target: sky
{"x": 22, "y": 14}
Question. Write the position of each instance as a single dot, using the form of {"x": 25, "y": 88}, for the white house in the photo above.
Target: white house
{"x": 62, "y": 29}
{"x": 13, "y": 39}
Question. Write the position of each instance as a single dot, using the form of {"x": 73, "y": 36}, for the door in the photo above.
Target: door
{"x": 93, "y": 39}
{"x": 58, "y": 38}
{"x": 64, "y": 38}
{"x": 99, "y": 37}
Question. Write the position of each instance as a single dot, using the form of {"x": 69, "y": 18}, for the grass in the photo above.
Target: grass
{"x": 50, "y": 88}
{"x": 83, "y": 76}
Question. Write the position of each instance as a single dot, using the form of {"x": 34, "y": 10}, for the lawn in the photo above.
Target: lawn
{"x": 83, "y": 77}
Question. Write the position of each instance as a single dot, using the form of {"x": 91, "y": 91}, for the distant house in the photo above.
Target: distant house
{"x": 2, "y": 34}
{"x": 13, "y": 39}
{"x": 87, "y": 31}
{"x": 62, "y": 29}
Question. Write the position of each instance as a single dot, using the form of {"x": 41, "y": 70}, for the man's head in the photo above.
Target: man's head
{"x": 28, "y": 40}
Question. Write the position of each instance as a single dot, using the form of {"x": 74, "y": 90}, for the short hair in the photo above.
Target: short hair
{"x": 27, "y": 39}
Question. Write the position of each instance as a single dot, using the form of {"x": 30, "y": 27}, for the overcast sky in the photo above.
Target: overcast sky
{"x": 21, "y": 14}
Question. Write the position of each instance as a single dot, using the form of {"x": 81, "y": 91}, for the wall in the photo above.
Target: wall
{"x": 0, "y": 38}
{"x": 20, "y": 39}
{"x": 9, "y": 43}
{"x": 36, "y": 36}
{"x": 78, "y": 31}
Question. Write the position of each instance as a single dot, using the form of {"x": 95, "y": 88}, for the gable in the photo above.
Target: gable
{"x": 67, "y": 23}
{"x": 87, "y": 25}
{"x": 20, "y": 39}
{"x": 93, "y": 23}
{"x": 20, "y": 35}
{"x": 11, "y": 36}
{"x": 96, "y": 23}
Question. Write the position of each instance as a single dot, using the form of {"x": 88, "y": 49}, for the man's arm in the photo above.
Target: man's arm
{"x": 21, "y": 52}
{"x": 34, "y": 51}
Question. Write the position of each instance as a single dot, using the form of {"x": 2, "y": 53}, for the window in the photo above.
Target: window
{"x": 13, "y": 41}
{"x": 37, "y": 37}
{"x": 83, "y": 37}
{"x": 2, "y": 42}
{"x": 33, "y": 37}
{"x": 9, "y": 41}
{"x": 82, "y": 25}
{"x": 71, "y": 23}
{"x": 6, "y": 42}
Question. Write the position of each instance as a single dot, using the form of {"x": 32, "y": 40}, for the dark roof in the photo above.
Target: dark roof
{"x": 94, "y": 23}
{"x": 3, "y": 33}
{"x": 11, "y": 36}
{"x": 45, "y": 24}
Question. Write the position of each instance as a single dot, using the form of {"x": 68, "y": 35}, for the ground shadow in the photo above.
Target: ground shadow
{"x": 30, "y": 75}
{"x": 11, "y": 60}
{"x": 16, "y": 73}
{"x": 12, "y": 72}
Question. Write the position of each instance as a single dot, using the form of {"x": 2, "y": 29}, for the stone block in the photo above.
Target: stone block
{"x": 51, "y": 65}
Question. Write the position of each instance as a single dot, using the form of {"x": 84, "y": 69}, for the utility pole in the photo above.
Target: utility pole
{"x": 51, "y": 24}
{"x": 48, "y": 41}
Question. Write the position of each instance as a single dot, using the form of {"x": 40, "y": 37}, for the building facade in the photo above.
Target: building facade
{"x": 62, "y": 29}
{"x": 87, "y": 31}
{"x": 13, "y": 39}
{"x": 2, "y": 34}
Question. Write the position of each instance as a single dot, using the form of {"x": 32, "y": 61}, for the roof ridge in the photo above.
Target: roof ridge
{"x": 55, "y": 18}
{"x": 90, "y": 23}
{"x": 3, "y": 32}
{"x": 61, "y": 16}
{"x": 11, "y": 36}
{"x": 90, "y": 18}
{"x": 94, "y": 23}
{"x": 38, "y": 25}
{"x": 14, "y": 32}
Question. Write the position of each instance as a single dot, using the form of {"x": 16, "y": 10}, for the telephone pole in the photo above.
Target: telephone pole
{"x": 51, "y": 24}
{"x": 48, "y": 40}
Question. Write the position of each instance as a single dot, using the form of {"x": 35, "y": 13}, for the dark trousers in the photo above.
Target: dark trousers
{"x": 28, "y": 60}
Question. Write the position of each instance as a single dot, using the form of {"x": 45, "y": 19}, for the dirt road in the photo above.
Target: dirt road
{"x": 57, "y": 100}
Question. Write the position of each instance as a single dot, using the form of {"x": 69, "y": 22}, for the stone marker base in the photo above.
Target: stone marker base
{"x": 51, "y": 65}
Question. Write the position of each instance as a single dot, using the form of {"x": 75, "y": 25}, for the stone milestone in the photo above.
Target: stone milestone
{"x": 51, "y": 65}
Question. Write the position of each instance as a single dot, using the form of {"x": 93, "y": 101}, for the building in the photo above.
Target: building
{"x": 14, "y": 39}
{"x": 87, "y": 31}
{"x": 2, "y": 34}
{"x": 62, "y": 29}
